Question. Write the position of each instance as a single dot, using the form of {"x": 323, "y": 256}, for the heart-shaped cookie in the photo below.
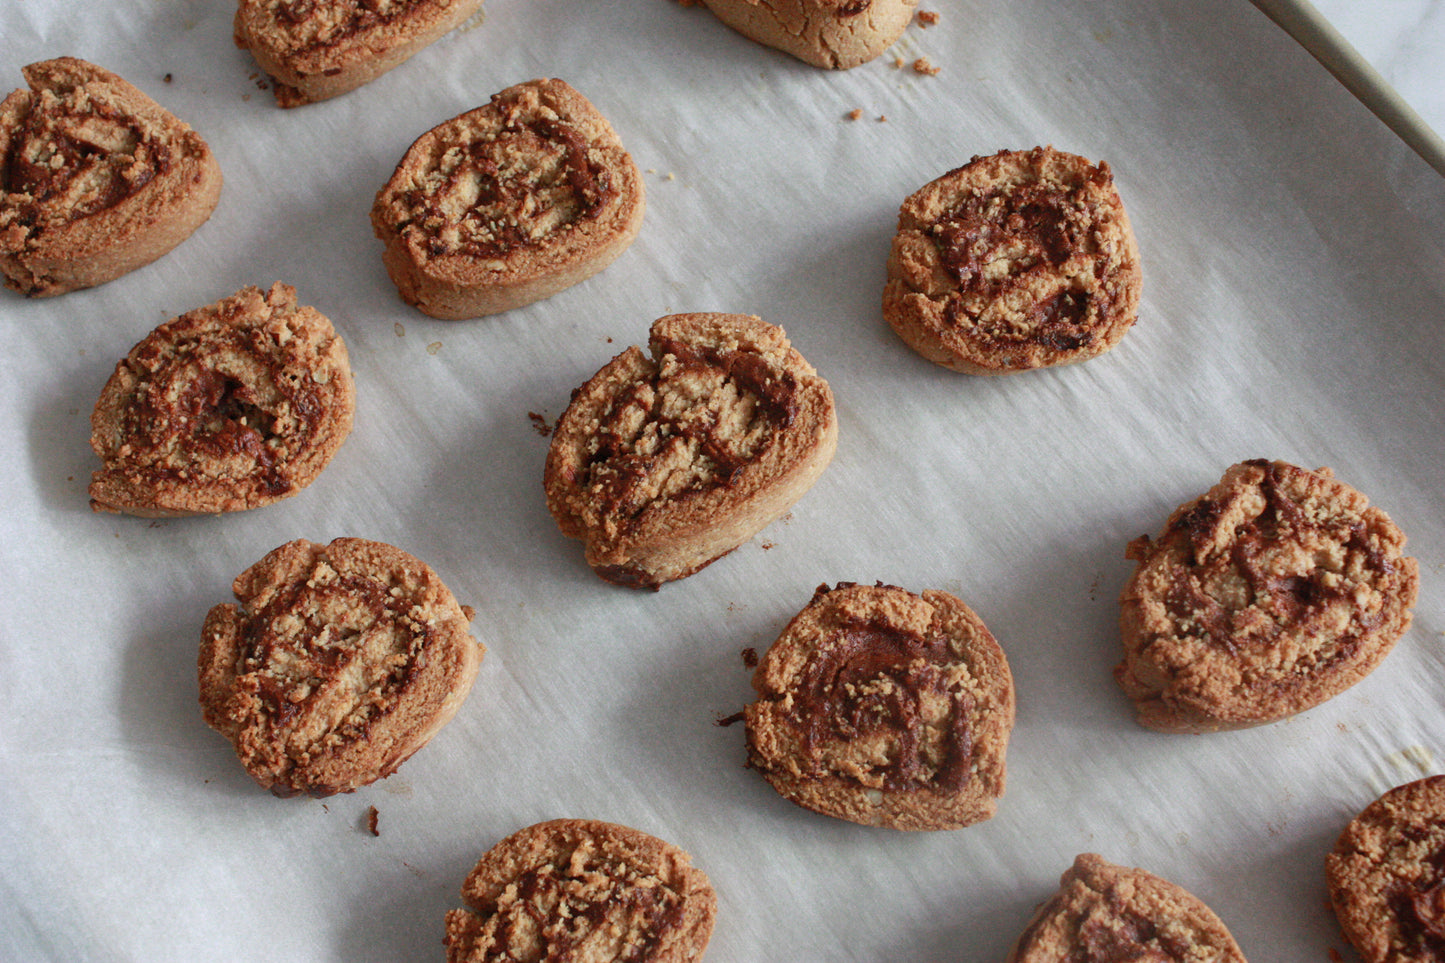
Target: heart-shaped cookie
{"x": 96, "y": 179}
{"x": 663, "y": 464}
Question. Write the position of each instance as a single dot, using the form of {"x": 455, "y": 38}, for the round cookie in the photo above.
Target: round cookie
{"x": 1276, "y": 590}
{"x": 584, "y": 891}
{"x": 1018, "y": 260}
{"x": 507, "y": 204}
{"x": 884, "y": 708}
{"x": 96, "y": 179}
{"x": 837, "y": 34}
{"x": 341, "y": 661}
{"x": 318, "y": 49}
{"x": 228, "y": 407}
{"x": 663, "y": 464}
{"x": 1108, "y": 912}
{"x": 1386, "y": 875}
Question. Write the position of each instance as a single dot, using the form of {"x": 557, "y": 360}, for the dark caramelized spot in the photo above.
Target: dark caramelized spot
{"x": 1288, "y": 599}
{"x": 871, "y": 678}
{"x": 69, "y": 161}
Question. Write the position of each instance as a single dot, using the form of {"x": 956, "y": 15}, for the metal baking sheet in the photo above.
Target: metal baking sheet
{"x": 1294, "y": 277}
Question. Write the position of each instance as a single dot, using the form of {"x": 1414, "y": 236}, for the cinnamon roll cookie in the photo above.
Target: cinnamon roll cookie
{"x": 885, "y": 708}
{"x": 508, "y": 203}
{"x": 318, "y": 49}
{"x": 1019, "y": 260}
{"x": 584, "y": 890}
{"x": 1387, "y": 875}
{"x": 1277, "y": 589}
{"x": 228, "y": 407}
{"x": 340, "y": 662}
{"x": 1108, "y": 912}
{"x": 663, "y": 464}
{"x": 96, "y": 179}
{"x": 825, "y": 33}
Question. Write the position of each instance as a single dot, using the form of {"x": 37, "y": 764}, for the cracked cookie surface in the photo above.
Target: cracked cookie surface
{"x": 339, "y": 663}
{"x": 884, "y": 708}
{"x": 662, "y": 464}
{"x": 226, "y": 408}
{"x": 507, "y": 204}
{"x": 1015, "y": 261}
{"x": 583, "y": 891}
{"x": 96, "y": 179}
{"x": 1271, "y": 593}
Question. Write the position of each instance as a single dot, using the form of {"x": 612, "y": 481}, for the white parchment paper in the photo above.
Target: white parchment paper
{"x": 1294, "y": 258}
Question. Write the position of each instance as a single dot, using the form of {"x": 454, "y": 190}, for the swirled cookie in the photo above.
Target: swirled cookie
{"x": 885, "y": 708}
{"x": 1386, "y": 875}
{"x": 584, "y": 891}
{"x": 318, "y": 49}
{"x": 228, "y": 407}
{"x": 825, "y": 33}
{"x": 96, "y": 179}
{"x": 1019, "y": 260}
{"x": 341, "y": 661}
{"x": 1107, "y": 912}
{"x": 508, "y": 203}
{"x": 1276, "y": 590}
{"x": 663, "y": 464}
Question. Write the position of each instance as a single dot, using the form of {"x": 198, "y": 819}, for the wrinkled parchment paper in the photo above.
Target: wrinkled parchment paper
{"x": 1294, "y": 257}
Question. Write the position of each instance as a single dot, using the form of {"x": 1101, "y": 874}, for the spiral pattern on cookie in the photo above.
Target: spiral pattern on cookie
{"x": 97, "y": 179}
{"x": 340, "y": 662}
{"x": 576, "y": 889}
{"x": 1019, "y": 260}
{"x": 508, "y": 203}
{"x": 1386, "y": 875}
{"x": 1104, "y": 913}
{"x": 664, "y": 463}
{"x": 884, "y": 707}
{"x": 228, "y": 407}
{"x": 1273, "y": 592}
